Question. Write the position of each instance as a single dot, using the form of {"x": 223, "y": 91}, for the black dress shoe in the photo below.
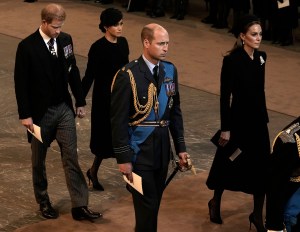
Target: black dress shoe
{"x": 48, "y": 211}
{"x": 84, "y": 213}
{"x": 106, "y": 2}
{"x": 286, "y": 43}
{"x": 180, "y": 17}
{"x": 208, "y": 20}
{"x": 157, "y": 14}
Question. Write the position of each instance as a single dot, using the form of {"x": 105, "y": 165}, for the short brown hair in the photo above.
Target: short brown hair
{"x": 53, "y": 11}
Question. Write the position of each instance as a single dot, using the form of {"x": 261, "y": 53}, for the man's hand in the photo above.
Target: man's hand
{"x": 28, "y": 123}
{"x": 126, "y": 169}
{"x": 183, "y": 156}
{"x": 80, "y": 112}
{"x": 185, "y": 163}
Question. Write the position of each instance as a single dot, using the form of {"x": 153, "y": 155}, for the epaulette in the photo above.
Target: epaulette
{"x": 130, "y": 65}
{"x": 124, "y": 69}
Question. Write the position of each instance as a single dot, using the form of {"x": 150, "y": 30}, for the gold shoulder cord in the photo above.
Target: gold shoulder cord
{"x": 139, "y": 108}
{"x": 298, "y": 143}
{"x": 275, "y": 140}
{"x": 113, "y": 81}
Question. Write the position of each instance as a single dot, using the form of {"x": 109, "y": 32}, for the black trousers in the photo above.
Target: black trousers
{"x": 146, "y": 206}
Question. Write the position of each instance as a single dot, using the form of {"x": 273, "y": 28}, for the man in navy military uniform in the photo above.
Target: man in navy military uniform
{"x": 145, "y": 106}
{"x": 284, "y": 181}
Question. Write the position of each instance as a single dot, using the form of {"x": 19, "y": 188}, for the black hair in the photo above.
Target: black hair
{"x": 109, "y": 17}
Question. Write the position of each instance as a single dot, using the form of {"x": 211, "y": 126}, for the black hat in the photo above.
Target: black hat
{"x": 109, "y": 17}
{"x": 244, "y": 23}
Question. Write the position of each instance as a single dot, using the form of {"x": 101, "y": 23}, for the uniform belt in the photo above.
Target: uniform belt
{"x": 161, "y": 123}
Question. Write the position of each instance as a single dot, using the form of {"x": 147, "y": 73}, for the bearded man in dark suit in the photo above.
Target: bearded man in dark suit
{"x": 45, "y": 65}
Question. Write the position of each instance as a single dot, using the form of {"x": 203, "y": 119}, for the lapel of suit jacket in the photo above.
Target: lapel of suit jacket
{"x": 43, "y": 55}
{"x": 145, "y": 69}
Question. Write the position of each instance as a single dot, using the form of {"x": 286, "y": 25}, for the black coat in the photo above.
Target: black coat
{"x": 104, "y": 60}
{"x": 34, "y": 78}
{"x": 244, "y": 114}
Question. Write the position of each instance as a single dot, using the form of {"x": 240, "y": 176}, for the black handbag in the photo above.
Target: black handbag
{"x": 230, "y": 149}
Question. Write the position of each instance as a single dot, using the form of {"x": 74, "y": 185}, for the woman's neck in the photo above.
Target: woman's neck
{"x": 250, "y": 52}
{"x": 112, "y": 39}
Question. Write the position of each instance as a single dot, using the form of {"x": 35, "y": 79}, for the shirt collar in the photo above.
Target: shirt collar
{"x": 149, "y": 64}
{"x": 45, "y": 37}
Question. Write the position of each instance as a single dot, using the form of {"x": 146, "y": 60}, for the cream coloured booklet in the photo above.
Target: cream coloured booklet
{"x": 37, "y": 132}
{"x": 285, "y": 3}
{"x": 137, "y": 182}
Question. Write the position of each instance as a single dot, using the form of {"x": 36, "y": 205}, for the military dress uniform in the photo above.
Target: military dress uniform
{"x": 284, "y": 178}
{"x": 143, "y": 112}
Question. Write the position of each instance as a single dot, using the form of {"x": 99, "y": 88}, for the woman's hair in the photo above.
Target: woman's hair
{"x": 243, "y": 26}
{"x": 109, "y": 17}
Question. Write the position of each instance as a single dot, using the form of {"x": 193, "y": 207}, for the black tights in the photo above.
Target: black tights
{"x": 258, "y": 204}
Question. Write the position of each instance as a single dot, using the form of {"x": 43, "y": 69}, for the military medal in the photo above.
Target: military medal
{"x": 170, "y": 102}
{"x": 170, "y": 91}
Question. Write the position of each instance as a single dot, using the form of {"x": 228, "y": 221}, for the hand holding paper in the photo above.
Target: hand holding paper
{"x": 36, "y": 132}
{"x": 283, "y": 3}
{"x": 136, "y": 184}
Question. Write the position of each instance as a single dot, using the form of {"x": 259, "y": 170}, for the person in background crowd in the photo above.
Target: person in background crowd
{"x": 284, "y": 20}
{"x": 157, "y": 9}
{"x": 145, "y": 107}
{"x": 104, "y": 1}
{"x": 240, "y": 162}
{"x": 45, "y": 66}
{"x": 106, "y": 56}
{"x": 213, "y": 10}
{"x": 262, "y": 9}
{"x": 240, "y": 8}
{"x": 180, "y": 9}
{"x": 135, "y": 5}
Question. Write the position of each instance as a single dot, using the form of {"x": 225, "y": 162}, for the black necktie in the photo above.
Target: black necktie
{"x": 155, "y": 73}
{"x": 51, "y": 47}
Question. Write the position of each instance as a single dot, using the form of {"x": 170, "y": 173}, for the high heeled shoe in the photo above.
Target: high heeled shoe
{"x": 259, "y": 228}
{"x": 95, "y": 182}
{"x": 214, "y": 212}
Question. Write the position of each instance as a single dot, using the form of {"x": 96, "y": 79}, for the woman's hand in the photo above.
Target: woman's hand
{"x": 224, "y": 138}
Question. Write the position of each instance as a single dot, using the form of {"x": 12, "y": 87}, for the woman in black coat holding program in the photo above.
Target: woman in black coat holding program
{"x": 244, "y": 121}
